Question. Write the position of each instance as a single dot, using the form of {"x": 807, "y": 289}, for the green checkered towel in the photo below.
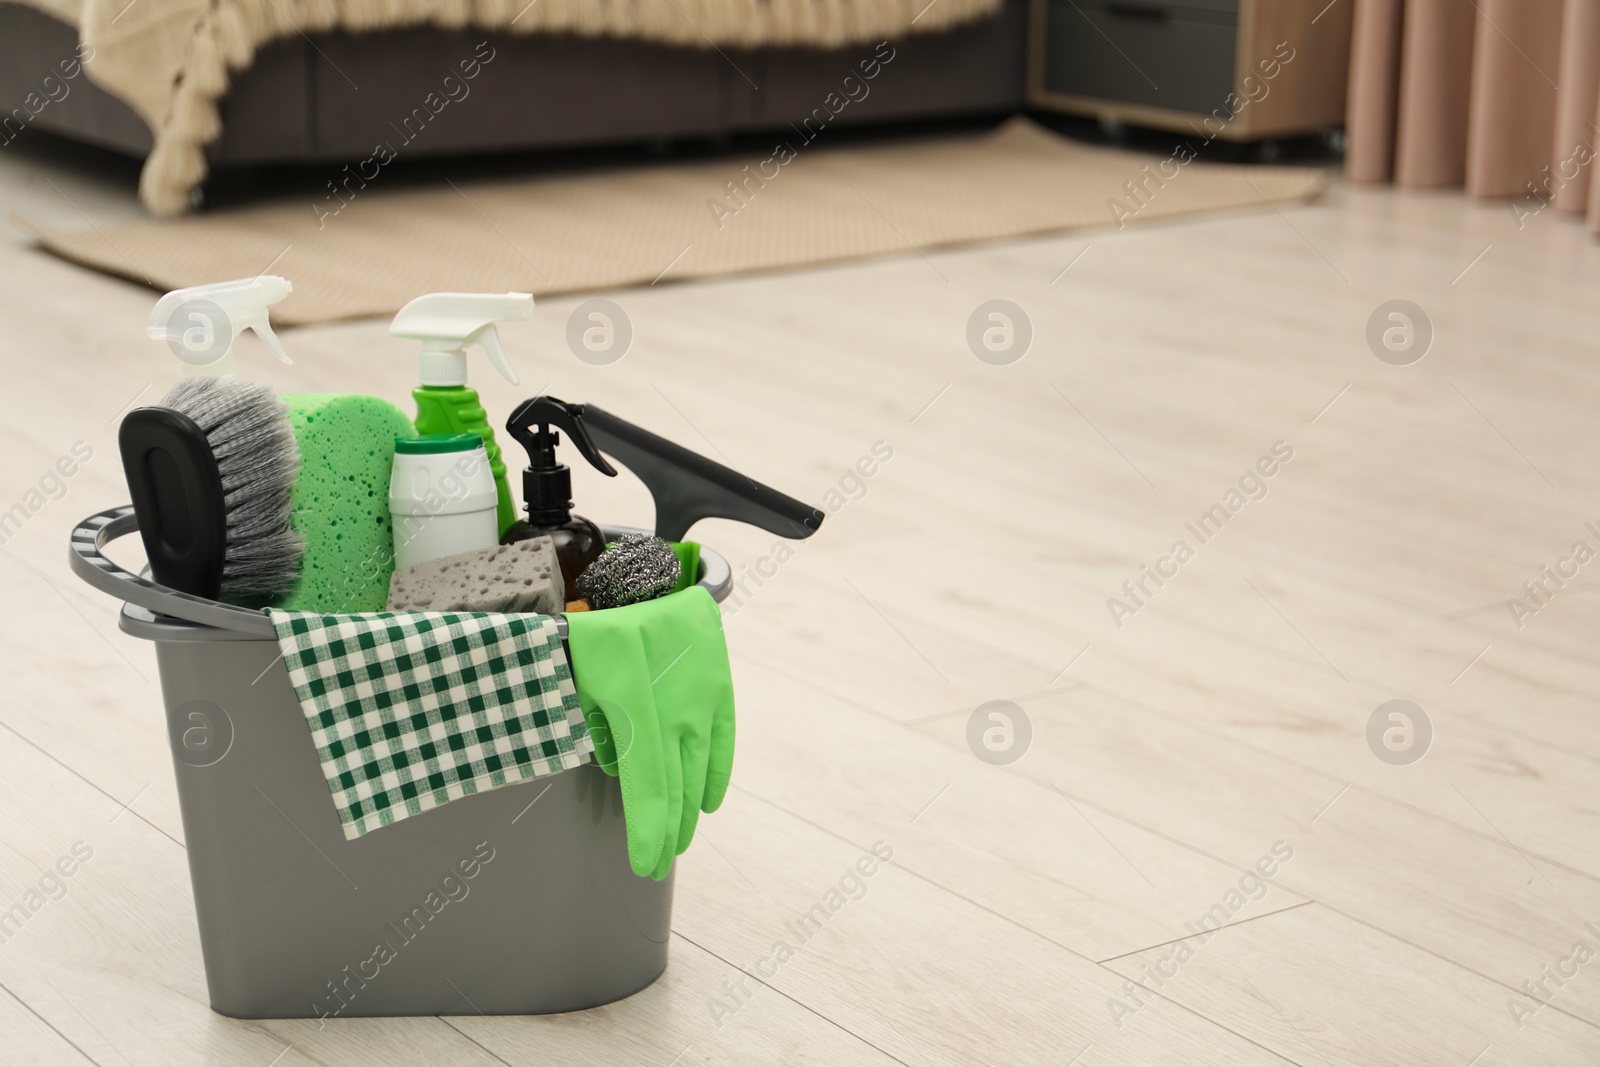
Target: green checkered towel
{"x": 411, "y": 710}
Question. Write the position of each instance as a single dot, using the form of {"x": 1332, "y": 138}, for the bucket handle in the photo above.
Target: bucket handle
{"x": 88, "y": 560}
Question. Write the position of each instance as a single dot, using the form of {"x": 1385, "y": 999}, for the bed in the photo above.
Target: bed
{"x": 314, "y": 83}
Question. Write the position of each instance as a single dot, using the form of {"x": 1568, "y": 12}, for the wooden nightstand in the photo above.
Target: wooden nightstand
{"x": 1172, "y": 64}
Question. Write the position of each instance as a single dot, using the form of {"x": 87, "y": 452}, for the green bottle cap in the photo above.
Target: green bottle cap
{"x": 434, "y": 443}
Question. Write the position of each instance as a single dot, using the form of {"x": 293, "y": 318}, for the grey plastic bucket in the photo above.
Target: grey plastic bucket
{"x": 515, "y": 901}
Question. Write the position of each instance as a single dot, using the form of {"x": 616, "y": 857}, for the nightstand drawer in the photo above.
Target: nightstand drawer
{"x": 1169, "y": 55}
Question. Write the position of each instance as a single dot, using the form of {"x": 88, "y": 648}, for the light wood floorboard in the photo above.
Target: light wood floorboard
{"x": 1169, "y": 754}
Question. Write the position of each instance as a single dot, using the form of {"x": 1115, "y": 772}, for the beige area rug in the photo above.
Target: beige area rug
{"x": 667, "y": 223}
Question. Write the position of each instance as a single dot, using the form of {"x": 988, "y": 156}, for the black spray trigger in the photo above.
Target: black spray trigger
{"x": 546, "y": 482}
{"x": 546, "y": 412}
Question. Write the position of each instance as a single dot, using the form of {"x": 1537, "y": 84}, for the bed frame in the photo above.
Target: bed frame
{"x": 298, "y": 101}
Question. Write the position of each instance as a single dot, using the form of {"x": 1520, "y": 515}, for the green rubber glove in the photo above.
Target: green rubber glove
{"x": 688, "y": 553}
{"x": 657, "y": 693}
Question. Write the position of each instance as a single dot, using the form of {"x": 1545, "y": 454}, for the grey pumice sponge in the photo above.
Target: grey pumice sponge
{"x": 519, "y": 578}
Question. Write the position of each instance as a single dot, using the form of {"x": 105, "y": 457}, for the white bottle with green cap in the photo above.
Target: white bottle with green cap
{"x": 442, "y": 497}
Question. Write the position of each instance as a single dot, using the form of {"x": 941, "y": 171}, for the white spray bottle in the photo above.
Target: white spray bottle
{"x": 201, "y": 323}
{"x": 446, "y": 323}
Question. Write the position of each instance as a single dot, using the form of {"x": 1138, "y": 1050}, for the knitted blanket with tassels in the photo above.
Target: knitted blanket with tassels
{"x": 171, "y": 61}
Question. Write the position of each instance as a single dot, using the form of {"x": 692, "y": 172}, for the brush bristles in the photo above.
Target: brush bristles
{"x": 248, "y": 429}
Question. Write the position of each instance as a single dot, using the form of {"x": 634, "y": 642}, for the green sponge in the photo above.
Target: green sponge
{"x": 341, "y": 499}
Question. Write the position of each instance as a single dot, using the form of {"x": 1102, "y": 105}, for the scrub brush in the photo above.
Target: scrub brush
{"x": 635, "y": 568}
{"x": 211, "y": 471}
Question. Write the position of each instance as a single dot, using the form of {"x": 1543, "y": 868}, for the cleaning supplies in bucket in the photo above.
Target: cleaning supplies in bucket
{"x": 441, "y": 497}
{"x": 465, "y": 685}
{"x": 411, "y": 711}
{"x": 446, "y": 323}
{"x": 210, "y": 468}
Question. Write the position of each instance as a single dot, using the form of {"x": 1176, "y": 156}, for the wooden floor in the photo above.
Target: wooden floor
{"x": 1223, "y": 724}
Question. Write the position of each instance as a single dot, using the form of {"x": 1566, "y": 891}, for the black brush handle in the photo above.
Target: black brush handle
{"x": 688, "y": 487}
{"x": 178, "y": 497}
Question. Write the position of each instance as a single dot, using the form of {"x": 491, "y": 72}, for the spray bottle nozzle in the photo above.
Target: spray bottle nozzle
{"x": 446, "y": 323}
{"x": 547, "y": 483}
{"x": 200, "y": 323}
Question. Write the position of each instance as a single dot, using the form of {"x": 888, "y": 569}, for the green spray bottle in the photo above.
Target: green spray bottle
{"x": 446, "y": 323}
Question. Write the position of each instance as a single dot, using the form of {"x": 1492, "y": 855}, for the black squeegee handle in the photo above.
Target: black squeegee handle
{"x": 688, "y": 487}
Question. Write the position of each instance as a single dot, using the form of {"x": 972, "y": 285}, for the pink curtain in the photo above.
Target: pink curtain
{"x": 1576, "y": 102}
{"x": 1435, "y": 86}
{"x": 1372, "y": 104}
{"x": 1501, "y": 97}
